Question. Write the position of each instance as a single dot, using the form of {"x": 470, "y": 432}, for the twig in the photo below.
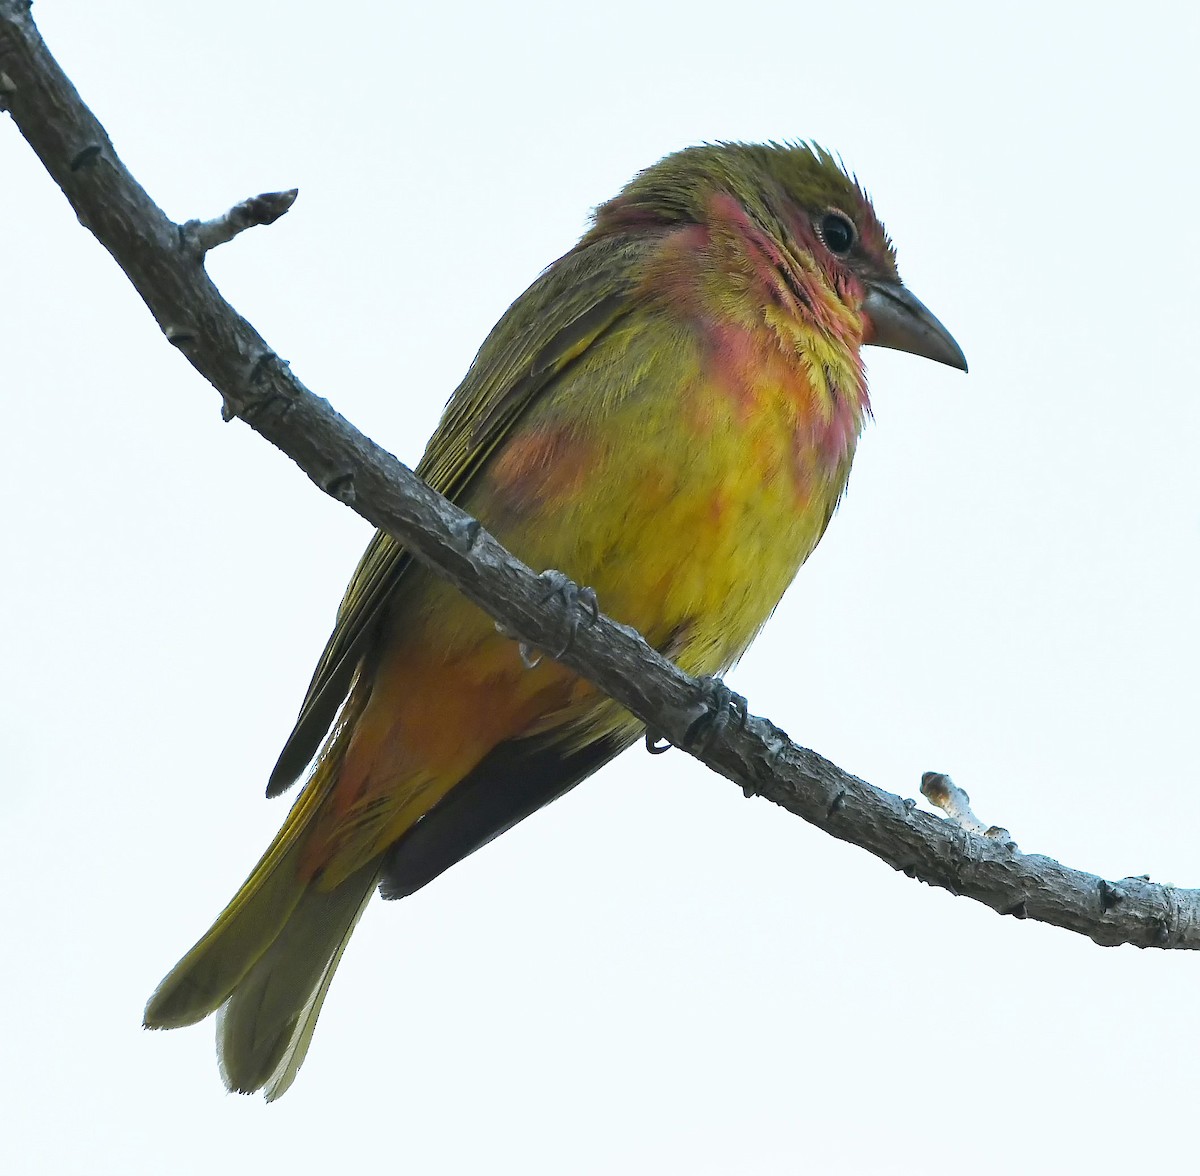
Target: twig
{"x": 201, "y": 236}
{"x": 258, "y": 386}
{"x": 940, "y": 790}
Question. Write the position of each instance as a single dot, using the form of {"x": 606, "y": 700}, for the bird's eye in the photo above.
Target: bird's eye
{"x": 837, "y": 231}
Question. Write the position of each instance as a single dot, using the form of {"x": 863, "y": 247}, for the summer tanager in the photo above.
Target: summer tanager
{"x": 668, "y": 414}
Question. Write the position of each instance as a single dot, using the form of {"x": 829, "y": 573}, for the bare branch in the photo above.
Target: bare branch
{"x": 258, "y": 386}
{"x": 201, "y": 236}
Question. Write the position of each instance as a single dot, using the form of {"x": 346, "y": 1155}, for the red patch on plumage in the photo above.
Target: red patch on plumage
{"x": 538, "y": 466}
{"x": 735, "y": 361}
{"x": 726, "y": 213}
{"x": 756, "y": 303}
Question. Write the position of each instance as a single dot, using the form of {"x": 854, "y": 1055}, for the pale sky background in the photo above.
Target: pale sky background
{"x": 655, "y": 975}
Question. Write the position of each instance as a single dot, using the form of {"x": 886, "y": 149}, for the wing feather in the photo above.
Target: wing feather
{"x": 572, "y": 305}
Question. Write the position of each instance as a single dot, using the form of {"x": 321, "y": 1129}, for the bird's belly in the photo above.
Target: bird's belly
{"x": 688, "y": 526}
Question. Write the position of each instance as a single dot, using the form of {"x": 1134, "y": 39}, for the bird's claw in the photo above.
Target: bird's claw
{"x": 579, "y": 604}
{"x": 721, "y": 707}
{"x": 656, "y": 744}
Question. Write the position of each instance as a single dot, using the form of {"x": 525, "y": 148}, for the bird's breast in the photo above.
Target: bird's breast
{"x": 690, "y": 497}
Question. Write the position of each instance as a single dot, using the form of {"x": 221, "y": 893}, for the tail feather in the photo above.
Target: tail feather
{"x": 264, "y": 1028}
{"x": 265, "y": 965}
{"x": 202, "y": 981}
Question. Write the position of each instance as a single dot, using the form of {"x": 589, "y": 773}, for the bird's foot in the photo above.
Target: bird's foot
{"x": 579, "y": 606}
{"x": 656, "y": 744}
{"x": 722, "y": 707}
{"x": 940, "y": 790}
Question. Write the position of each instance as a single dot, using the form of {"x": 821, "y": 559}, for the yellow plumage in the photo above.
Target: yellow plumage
{"x": 669, "y": 415}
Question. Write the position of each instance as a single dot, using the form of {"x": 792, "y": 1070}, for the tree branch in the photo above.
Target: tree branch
{"x": 266, "y": 209}
{"x": 164, "y": 262}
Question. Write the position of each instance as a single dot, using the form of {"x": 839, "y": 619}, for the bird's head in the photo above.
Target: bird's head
{"x": 800, "y": 196}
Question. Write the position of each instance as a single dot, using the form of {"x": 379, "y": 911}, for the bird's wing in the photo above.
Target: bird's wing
{"x": 510, "y": 783}
{"x": 574, "y": 303}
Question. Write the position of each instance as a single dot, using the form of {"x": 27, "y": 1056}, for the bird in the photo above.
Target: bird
{"x": 668, "y": 414}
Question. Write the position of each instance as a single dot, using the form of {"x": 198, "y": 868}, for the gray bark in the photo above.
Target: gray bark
{"x": 164, "y": 262}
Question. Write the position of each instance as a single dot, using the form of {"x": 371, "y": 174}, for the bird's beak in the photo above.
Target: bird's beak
{"x": 897, "y": 319}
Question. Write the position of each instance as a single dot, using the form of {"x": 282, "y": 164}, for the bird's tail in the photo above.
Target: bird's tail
{"x": 266, "y": 963}
{"x": 265, "y": 1026}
